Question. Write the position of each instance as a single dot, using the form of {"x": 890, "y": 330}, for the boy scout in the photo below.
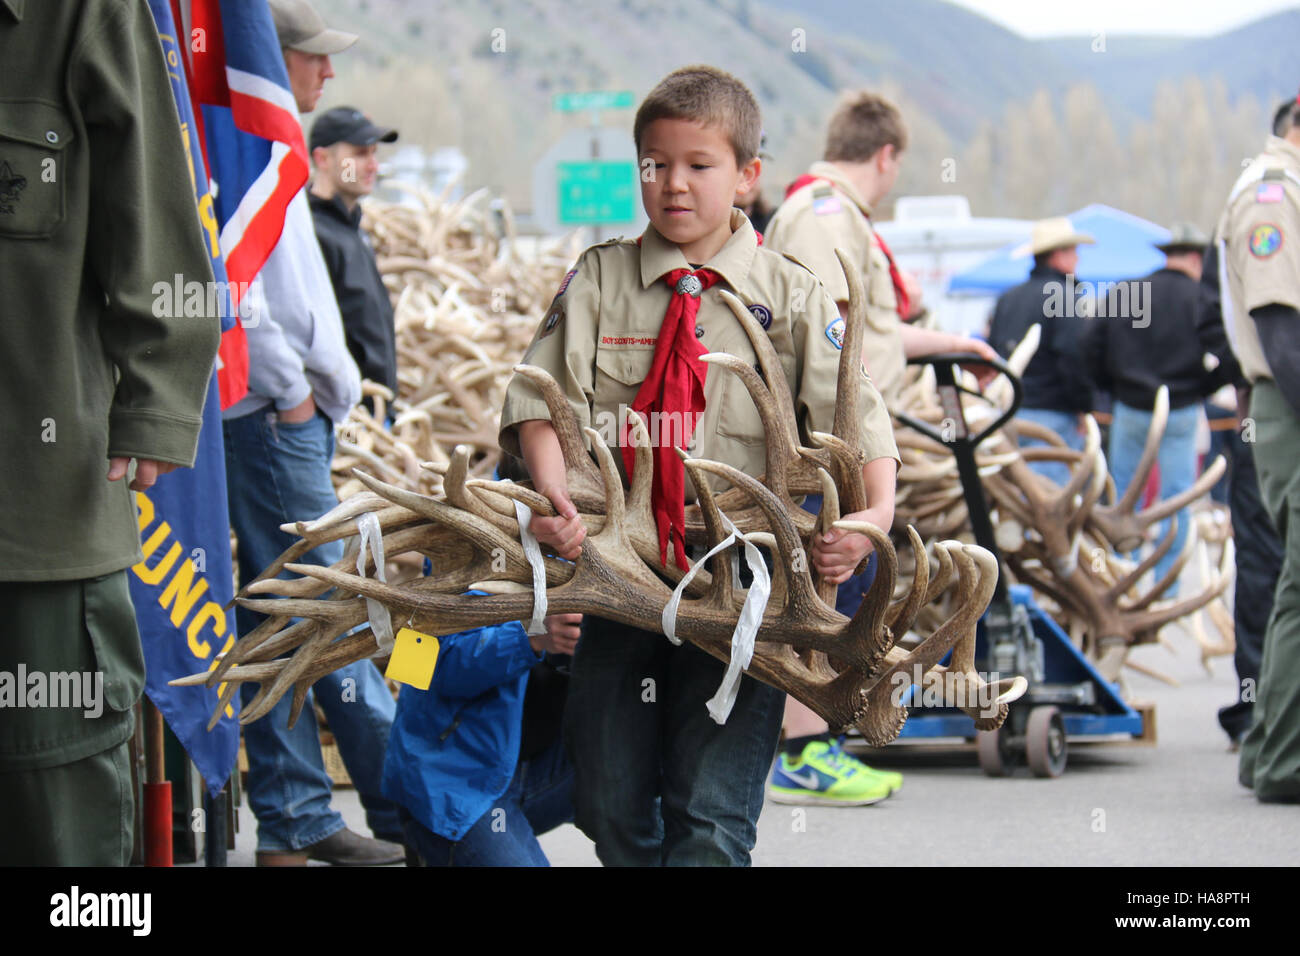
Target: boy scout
{"x": 657, "y": 782}
{"x": 827, "y": 208}
{"x": 1259, "y": 237}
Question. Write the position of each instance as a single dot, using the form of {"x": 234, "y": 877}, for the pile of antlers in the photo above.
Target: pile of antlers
{"x": 848, "y": 670}
{"x": 1066, "y": 541}
{"x": 466, "y": 303}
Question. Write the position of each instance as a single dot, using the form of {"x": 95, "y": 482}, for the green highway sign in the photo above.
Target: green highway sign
{"x": 596, "y": 192}
{"x": 603, "y": 100}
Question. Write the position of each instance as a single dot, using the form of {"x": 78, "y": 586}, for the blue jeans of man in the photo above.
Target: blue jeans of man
{"x": 1065, "y": 424}
{"x": 539, "y": 799}
{"x": 656, "y": 781}
{"x": 277, "y": 473}
{"x": 1177, "y": 461}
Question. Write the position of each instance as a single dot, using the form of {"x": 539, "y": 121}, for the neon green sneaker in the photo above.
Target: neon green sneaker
{"x": 824, "y": 775}
{"x": 891, "y": 777}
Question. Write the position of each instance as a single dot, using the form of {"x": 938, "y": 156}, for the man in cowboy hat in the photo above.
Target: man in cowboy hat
{"x": 1057, "y": 389}
{"x": 1131, "y": 359}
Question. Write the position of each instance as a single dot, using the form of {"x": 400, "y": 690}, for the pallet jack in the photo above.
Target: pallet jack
{"x": 1067, "y": 695}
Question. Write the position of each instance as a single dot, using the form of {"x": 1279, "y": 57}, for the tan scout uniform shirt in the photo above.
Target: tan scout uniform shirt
{"x": 599, "y": 337}
{"x": 1260, "y": 249}
{"x": 810, "y": 225}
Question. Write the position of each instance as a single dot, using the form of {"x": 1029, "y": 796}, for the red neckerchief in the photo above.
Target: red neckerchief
{"x": 673, "y": 388}
{"x": 896, "y": 277}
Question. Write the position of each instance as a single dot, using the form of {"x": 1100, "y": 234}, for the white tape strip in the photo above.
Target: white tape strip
{"x": 533, "y": 552}
{"x": 751, "y": 616}
{"x": 372, "y": 540}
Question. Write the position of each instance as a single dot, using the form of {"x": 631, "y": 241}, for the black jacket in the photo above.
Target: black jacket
{"x": 363, "y": 300}
{"x": 1131, "y": 355}
{"x": 1055, "y": 377}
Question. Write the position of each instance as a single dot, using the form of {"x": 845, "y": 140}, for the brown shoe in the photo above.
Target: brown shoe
{"x": 343, "y": 848}
{"x": 346, "y": 848}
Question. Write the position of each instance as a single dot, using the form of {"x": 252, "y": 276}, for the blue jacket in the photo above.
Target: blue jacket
{"x": 453, "y": 747}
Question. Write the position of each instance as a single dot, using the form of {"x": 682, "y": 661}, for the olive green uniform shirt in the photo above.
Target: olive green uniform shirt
{"x": 1260, "y": 232}
{"x": 830, "y": 213}
{"x": 599, "y": 337}
{"x": 96, "y": 207}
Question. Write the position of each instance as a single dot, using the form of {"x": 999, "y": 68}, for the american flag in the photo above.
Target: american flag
{"x": 255, "y": 148}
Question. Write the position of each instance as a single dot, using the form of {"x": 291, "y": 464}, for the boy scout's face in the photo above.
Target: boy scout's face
{"x": 695, "y": 183}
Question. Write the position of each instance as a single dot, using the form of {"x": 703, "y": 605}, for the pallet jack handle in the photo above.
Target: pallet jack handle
{"x": 955, "y": 434}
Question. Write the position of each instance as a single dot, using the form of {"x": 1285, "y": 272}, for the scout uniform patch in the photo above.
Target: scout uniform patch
{"x": 556, "y": 311}
{"x": 763, "y": 314}
{"x": 835, "y": 332}
{"x": 825, "y": 202}
{"x": 1269, "y": 192}
{"x": 1265, "y": 239}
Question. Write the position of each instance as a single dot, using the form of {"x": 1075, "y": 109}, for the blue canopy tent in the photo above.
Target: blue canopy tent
{"x": 1124, "y": 250}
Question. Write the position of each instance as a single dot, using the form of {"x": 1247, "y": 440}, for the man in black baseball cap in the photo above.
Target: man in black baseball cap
{"x": 343, "y": 146}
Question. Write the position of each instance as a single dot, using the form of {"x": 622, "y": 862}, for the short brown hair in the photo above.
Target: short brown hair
{"x": 705, "y": 95}
{"x": 861, "y": 124}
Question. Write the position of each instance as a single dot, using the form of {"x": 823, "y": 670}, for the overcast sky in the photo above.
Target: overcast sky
{"x": 1035, "y": 18}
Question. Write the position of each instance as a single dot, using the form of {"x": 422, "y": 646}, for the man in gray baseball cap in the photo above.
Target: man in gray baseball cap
{"x": 307, "y": 44}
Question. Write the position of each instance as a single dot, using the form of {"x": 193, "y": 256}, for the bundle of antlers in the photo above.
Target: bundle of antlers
{"x": 1066, "y": 541}
{"x": 848, "y": 670}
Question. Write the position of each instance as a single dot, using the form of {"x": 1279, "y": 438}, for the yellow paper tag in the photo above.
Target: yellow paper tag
{"x": 413, "y": 658}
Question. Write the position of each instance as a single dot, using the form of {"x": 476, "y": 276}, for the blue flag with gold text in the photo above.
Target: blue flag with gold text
{"x": 182, "y": 586}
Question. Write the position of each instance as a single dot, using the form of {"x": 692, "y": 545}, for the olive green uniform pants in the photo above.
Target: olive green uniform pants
{"x": 71, "y": 670}
{"x": 1270, "y": 754}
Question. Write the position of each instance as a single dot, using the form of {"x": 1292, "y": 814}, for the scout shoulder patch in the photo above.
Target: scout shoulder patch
{"x": 1265, "y": 240}
{"x": 763, "y": 314}
{"x": 835, "y": 332}
{"x": 824, "y": 201}
{"x": 556, "y": 312}
{"x": 1269, "y": 192}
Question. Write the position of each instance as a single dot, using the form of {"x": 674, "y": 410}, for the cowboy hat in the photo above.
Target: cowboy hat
{"x": 1052, "y": 234}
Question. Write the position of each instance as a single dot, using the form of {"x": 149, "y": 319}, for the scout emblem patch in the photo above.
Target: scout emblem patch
{"x": 1269, "y": 192}
{"x": 556, "y": 311}
{"x": 835, "y": 332}
{"x": 1265, "y": 240}
{"x": 763, "y": 314}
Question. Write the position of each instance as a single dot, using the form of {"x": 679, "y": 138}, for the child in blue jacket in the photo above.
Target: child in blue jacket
{"x": 467, "y": 795}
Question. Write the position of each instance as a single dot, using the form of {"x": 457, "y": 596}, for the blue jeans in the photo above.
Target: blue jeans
{"x": 656, "y": 781}
{"x": 539, "y": 799}
{"x": 1065, "y": 424}
{"x": 1177, "y": 461}
{"x": 278, "y": 473}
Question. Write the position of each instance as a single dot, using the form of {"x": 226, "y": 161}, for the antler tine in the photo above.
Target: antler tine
{"x": 582, "y": 470}
{"x": 780, "y": 443}
{"x": 846, "y": 465}
{"x": 848, "y": 396}
{"x": 942, "y": 577}
{"x": 614, "y": 503}
{"x": 829, "y": 515}
{"x": 1207, "y": 479}
{"x": 1150, "y": 451}
{"x": 638, "y": 496}
{"x": 535, "y": 501}
{"x": 1174, "y": 570}
{"x": 720, "y": 592}
{"x": 902, "y": 615}
{"x": 1084, "y": 470}
{"x": 868, "y": 624}
{"x": 457, "y": 492}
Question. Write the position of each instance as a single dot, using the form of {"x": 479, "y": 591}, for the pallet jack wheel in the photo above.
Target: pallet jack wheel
{"x": 1045, "y": 746}
{"x": 997, "y": 759}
